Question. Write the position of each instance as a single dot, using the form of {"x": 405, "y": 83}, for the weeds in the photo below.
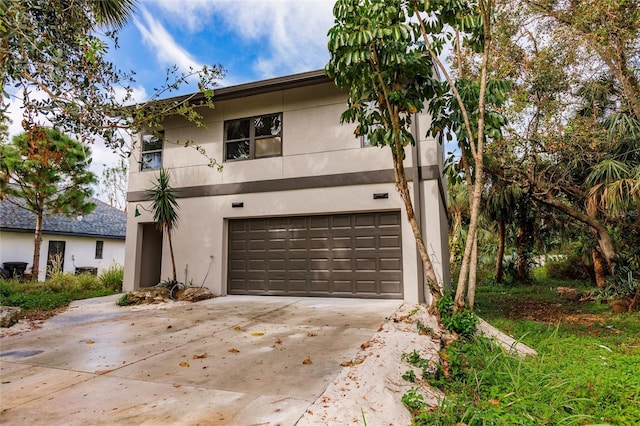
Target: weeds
{"x": 58, "y": 291}
{"x": 464, "y": 323}
{"x": 112, "y": 278}
{"x": 585, "y": 372}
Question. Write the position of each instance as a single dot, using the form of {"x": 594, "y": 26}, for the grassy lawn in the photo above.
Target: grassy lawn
{"x": 40, "y": 300}
{"x": 587, "y": 370}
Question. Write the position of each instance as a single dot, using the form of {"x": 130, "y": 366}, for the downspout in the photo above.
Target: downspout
{"x": 418, "y": 201}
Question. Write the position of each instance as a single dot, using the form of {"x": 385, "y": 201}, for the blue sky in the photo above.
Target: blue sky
{"x": 251, "y": 39}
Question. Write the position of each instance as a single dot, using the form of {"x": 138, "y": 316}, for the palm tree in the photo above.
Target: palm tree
{"x": 500, "y": 206}
{"x": 165, "y": 210}
{"x": 113, "y": 13}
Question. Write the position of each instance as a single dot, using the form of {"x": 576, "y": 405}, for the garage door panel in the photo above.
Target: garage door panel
{"x": 277, "y": 265}
{"x": 256, "y": 265}
{"x": 351, "y": 255}
{"x": 319, "y": 222}
{"x": 390, "y": 287}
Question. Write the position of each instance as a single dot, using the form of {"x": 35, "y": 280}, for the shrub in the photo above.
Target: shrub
{"x": 112, "y": 278}
{"x": 571, "y": 268}
{"x": 464, "y": 323}
{"x": 623, "y": 284}
{"x": 57, "y": 291}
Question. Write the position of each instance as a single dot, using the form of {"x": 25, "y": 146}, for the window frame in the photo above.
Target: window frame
{"x": 252, "y": 138}
{"x": 159, "y": 135}
{"x": 99, "y": 249}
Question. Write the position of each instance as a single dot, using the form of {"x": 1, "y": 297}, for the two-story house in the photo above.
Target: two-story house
{"x": 301, "y": 207}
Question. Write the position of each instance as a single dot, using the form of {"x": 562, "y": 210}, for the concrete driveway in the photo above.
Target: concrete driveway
{"x": 236, "y": 360}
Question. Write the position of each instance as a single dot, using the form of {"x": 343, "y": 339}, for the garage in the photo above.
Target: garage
{"x": 343, "y": 255}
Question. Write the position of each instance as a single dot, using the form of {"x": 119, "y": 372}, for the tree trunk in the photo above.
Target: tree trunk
{"x": 521, "y": 255}
{"x": 599, "y": 267}
{"x": 173, "y": 260}
{"x": 471, "y": 287}
{"x": 478, "y": 157}
{"x": 37, "y": 241}
{"x": 431, "y": 279}
{"x": 457, "y": 224}
{"x": 501, "y": 243}
{"x": 605, "y": 242}
{"x": 635, "y": 302}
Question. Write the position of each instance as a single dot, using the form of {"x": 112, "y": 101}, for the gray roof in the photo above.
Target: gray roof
{"x": 293, "y": 81}
{"x": 105, "y": 221}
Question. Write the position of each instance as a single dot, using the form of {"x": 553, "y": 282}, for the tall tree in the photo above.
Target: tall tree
{"x": 374, "y": 56}
{"x": 383, "y": 52}
{"x": 470, "y": 109}
{"x": 48, "y": 171}
{"x": 572, "y": 126}
{"x": 54, "y": 61}
{"x": 113, "y": 185}
{"x": 165, "y": 211}
{"x": 610, "y": 28}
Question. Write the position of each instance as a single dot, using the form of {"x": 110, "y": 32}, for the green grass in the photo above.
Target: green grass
{"x": 56, "y": 292}
{"x": 587, "y": 370}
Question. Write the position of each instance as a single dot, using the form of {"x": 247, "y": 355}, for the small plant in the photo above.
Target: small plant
{"x": 123, "y": 301}
{"x": 409, "y": 376}
{"x": 413, "y": 400}
{"x": 112, "y": 278}
{"x": 55, "y": 265}
{"x": 464, "y": 323}
{"x": 423, "y": 329}
{"x": 623, "y": 285}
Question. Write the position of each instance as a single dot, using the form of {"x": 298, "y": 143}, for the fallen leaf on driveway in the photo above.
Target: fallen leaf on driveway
{"x": 204, "y": 355}
{"x": 307, "y": 361}
{"x": 257, "y": 334}
{"x": 234, "y": 350}
{"x": 365, "y": 345}
{"x": 311, "y": 334}
{"x": 184, "y": 364}
{"x": 238, "y": 328}
{"x": 89, "y": 342}
{"x": 346, "y": 363}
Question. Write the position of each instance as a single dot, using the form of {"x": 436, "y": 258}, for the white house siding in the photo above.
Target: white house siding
{"x": 314, "y": 144}
{"x": 79, "y": 251}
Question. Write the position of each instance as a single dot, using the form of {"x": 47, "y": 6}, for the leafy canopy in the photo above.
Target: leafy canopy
{"x": 49, "y": 171}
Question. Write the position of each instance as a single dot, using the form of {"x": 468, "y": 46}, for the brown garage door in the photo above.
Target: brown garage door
{"x": 347, "y": 255}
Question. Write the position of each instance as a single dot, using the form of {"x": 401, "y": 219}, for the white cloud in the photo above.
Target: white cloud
{"x": 294, "y": 30}
{"x": 166, "y": 49}
{"x": 192, "y": 14}
{"x": 138, "y": 95}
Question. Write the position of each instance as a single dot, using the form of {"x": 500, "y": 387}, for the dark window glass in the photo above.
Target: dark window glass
{"x": 99, "y": 247}
{"x": 255, "y": 137}
{"x": 151, "y": 143}
{"x": 238, "y": 129}
{"x": 237, "y": 150}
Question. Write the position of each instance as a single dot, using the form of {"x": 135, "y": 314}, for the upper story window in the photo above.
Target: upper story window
{"x": 365, "y": 139}
{"x": 151, "y": 151}
{"x": 254, "y": 137}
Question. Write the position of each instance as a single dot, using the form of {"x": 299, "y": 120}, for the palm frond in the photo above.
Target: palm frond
{"x": 114, "y": 13}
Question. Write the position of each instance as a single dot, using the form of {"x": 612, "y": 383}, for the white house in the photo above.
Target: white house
{"x": 302, "y": 206}
{"x": 95, "y": 240}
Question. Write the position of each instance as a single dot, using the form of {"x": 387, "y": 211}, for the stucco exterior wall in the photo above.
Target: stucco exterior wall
{"x": 315, "y": 144}
{"x": 79, "y": 251}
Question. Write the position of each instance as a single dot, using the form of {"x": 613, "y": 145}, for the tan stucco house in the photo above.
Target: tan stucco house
{"x": 301, "y": 207}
